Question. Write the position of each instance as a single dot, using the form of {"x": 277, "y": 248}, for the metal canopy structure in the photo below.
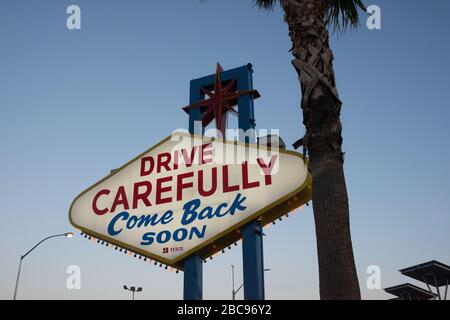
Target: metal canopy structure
{"x": 409, "y": 291}
{"x": 433, "y": 273}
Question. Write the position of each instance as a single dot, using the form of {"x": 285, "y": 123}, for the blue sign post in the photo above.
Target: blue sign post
{"x": 193, "y": 278}
{"x": 252, "y": 235}
{"x": 252, "y": 253}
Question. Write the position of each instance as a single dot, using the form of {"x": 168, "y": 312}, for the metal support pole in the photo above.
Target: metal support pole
{"x": 428, "y": 285}
{"x": 193, "y": 267}
{"x": 232, "y": 277}
{"x": 246, "y": 109}
{"x": 436, "y": 284}
{"x": 252, "y": 251}
{"x": 18, "y": 278}
{"x": 252, "y": 235}
{"x": 193, "y": 278}
{"x": 446, "y": 291}
{"x": 195, "y": 114}
{"x": 68, "y": 234}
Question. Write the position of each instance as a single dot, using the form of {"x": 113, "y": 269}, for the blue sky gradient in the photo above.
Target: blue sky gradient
{"x": 75, "y": 104}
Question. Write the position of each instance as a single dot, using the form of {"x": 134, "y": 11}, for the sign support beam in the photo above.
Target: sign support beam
{"x": 253, "y": 260}
{"x": 252, "y": 235}
{"x": 193, "y": 278}
{"x": 193, "y": 267}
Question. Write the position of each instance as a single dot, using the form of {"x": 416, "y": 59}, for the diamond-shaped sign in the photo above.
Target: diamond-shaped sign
{"x": 191, "y": 194}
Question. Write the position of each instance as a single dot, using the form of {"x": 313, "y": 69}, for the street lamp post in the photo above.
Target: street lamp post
{"x": 67, "y": 235}
{"x": 133, "y": 290}
{"x": 234, "y": 292}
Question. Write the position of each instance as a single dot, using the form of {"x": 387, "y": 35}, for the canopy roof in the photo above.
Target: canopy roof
{"x": 409, "y": 291}
{"x": 433, "y": 273}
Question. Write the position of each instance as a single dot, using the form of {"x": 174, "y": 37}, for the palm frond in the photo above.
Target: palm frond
{"x": 265, "y": 4}
{"x": 342, "y": 14}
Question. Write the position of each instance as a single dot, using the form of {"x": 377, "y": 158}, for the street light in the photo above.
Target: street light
{"x": 133, "y": 290}
{"x": 234, "y": 292}
{"x": 67, "y": 235}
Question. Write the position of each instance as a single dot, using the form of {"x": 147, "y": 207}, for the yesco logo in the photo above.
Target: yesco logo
{"x": 189, "y": 193}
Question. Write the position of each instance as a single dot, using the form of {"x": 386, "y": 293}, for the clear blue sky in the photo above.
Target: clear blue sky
{"x": 75, "y": 104}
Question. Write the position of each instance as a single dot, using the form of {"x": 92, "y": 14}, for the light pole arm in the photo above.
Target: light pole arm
{"x": 29, "y": 251}
{"x": 37, "y": 245}
{"x": 239, "y": 289}
{"x": 236, "y": 291}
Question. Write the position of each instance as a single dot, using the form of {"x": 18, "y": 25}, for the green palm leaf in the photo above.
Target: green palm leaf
{"x": 340, "y": 14}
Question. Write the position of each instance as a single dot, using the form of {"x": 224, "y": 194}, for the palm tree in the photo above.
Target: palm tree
{"x": 313, "y": 60}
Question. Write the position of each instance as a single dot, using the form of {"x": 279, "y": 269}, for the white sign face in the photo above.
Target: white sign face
{"x": 185, "y": 193}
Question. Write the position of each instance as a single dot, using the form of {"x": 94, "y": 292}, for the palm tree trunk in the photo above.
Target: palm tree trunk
{"x": 323, "y": 142}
